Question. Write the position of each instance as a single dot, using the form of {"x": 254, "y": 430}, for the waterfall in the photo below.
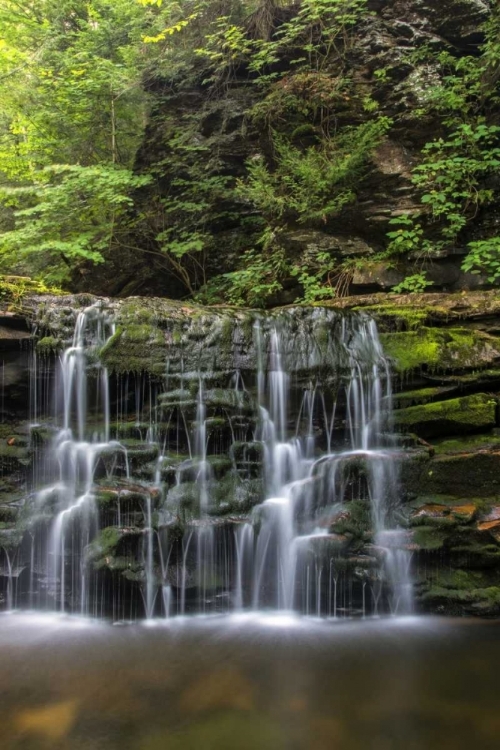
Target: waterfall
{"x": 75, "y": 451}
{"x": 273, "y": 484}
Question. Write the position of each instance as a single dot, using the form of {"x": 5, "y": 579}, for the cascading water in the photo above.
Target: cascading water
{"x": 274, "y": 485}
{"x": 76, "y": 449}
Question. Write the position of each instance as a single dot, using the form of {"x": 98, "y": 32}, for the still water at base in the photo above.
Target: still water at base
{"x": 249, "y": 682}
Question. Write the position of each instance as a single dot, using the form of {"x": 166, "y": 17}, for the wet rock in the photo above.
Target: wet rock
{"x": 490, "y": 527}
{"x": 429, "y": 514}
{"x": 441, "y": 350}
{"x": 458, "y": 415}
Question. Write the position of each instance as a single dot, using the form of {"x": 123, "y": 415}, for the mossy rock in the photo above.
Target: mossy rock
{"x": 428, "y": 538}
{"x": 325, "y": 546}
{"x": 49, "y": 345}
{"x": 438, "y": 515}
{"x": 467, "y": 444}
{"x": 391, "y": 317}
{"x": 139, "y": 452}
{"x": 129, "y": 430}
{"x": 177, "y": 398}
{"x": 105, "y": 543}
{"x": 8, "y": 513}
{"x": 441, "y": 349}
{"x": 112, "y": 544}
{"x": 459, "y": 591}
{"x": 231, "y": 495}
{"x": 185, "y": 498}
{"x": 420, "y": 396}
{"x": 228, "y": 398}
{"x": 138, "y": 347}
{"x": 11, "y": 535}
{"x": 355, "y": 520}
{"x": 42, "y": 434}
{"x": 393, "y": 311}
{"x": 457, "y": 415}
{"x": 130, "y": 568}
{"x": 17, "y": 449}
{"x": 466, "y": 475}
{"x": 15, "y": 289}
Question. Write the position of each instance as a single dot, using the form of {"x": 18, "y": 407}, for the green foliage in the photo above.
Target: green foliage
{"x": 314, "y": 277}
{"x": 456, "y": 168}
{"x": 407, "y": 237}
{"x": 13, "y": 289}
{"x": 314, "y": 33}
{"x": 70, "y": 83}
{"x": 314, "y": 184}
{"x": 72, "y": 115}
{"x": 259, "y": 277}
{"x": 74, "y": 104}
{"x": 417, "y": 282}
{"x": 453, "y": 171}
{"x": 67, "y": 215}
{"x": 484, "y": 255}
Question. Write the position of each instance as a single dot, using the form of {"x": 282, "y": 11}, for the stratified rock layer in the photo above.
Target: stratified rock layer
{"x": 446, "y": 361}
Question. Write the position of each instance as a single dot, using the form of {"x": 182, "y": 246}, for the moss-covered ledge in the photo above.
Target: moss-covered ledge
{"x": 442, "y": 349}
{"x": 452, "y": 417}
{"x": 430, "y": 333}
{"x": 409, "y": 311}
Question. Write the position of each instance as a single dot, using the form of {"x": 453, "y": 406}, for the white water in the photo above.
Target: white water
{"x": 326, "y": 449}
{"x": 75, "y": 454}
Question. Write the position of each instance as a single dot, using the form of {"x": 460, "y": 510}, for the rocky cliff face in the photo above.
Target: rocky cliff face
{"x": 445, "y": 351}
{"x": 198, "y": 133}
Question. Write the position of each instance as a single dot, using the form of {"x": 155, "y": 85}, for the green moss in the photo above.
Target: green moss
{"x": 420, "y": 396}
{"x": 128, "y": 566}
{"x": 226, "y": 332}
{"x": 412, "y": 349}
{"x": 13, "y": 289}
{"x": 472, "y": 590}
{"x": 8, "y": 513}
{"x": 177, "y": 398}
{"x": 231, "y": 495}
{"x": 476, "y": 553}
{"x": 440, "y": 349}
{"x": 467, "y": 444}
{"x": 395, "y": 317}
{"x": 446, "y": 521}
{"x": 104, "y": 544}
{"x": 10, "y": 537}
{"x": 465, "y": 475}
{"x": 429, "y": 538}
{"x": 13, "y": 451}
{"x": 227, "y": 398}
{"x": 355, "y": 521}
{"x": 106, "y": 497}
{"x": 136, "y": 348}
{"x": 462, "y": 415}
{"x": 247, "y": 327}
{"x": 49, "y": 345}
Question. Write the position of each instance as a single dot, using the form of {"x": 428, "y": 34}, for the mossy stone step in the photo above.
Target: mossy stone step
{"x": 421, "y": 396}
{"x": 452, "y": 417}
{"x": 441, "y": 349}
